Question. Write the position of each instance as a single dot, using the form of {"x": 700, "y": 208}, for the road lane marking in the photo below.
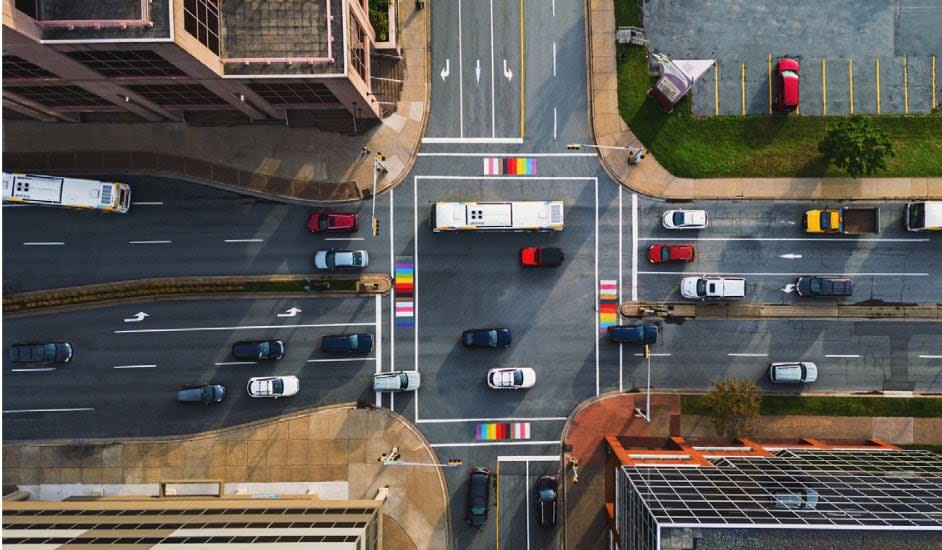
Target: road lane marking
{"x": 505, "y": 155}
{"x": 149, "y": 242}
{"x": 796, "y": 274}
{"x": 528, "y": 458}
{"x": 653, "y": 355}
{"x": 342, "y": 360}
{"x": 595, "y": 313}
{"x": 554, "y": 58}
{"x": 43, "y": 369}
{"x": 223, "y": 363}
{"x": 495, "y": 443}
{"x": 493, "y": 97}
{"x": 930, "y": 356}
{"x": 850, "y": 81}
{"x": 634, "y": 247}
{"x": 506, "y": 419}
{"x": 473, "y": 140}
{"x": 523, "y": 75}
{"x": 392, "y": 299}
{"x": 621, "y": 283}
{"x": 345, "y": 239}
{"x": 77, "y": 409}
{"x": 415, "y": 286}
{"x": 748, "y": 354}
{"x": 783, "y": 239}
{"x": 244, "y": 240}
{"x": 460, "y": 78}
{"x": 554, "y": 123}
{"x": 246, "y": 327}
{"x": 843, "y": 356}
{"x": 554, "y": 8}
{"x": 47, "y": 243}
{"x": 154, "y": 203}
{"x": 136, "y": 367}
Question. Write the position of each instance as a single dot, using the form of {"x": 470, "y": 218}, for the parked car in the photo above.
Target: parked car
{"x": 329, "y": 260}
{"x": 397, "y": 381}
{"x": 513, "y": 378}
{"x": 479, "y": 496}
{"x": 786, "y": 84}
{"x": 347, "y": 343}
{"x": 54, "y": 352}
{"x": 799, "y": 498}
{"x": 664, "y": 253}
{"x": 486, "y": 338}
{"x": 541, "y": 256}
{"x": 793, "y": 373}
{"x": 333, "y": 222}
{"x": 684, "y": 219}
{"x": 712, "y": 287}
{"x": 203, "y": 394}
{"x": 824, "y": 286}
{"x": 273, "y": 386}
{"x": 639, "y": 334}
{"x": 258, "y": 350}
{"x": 546, "y": 498}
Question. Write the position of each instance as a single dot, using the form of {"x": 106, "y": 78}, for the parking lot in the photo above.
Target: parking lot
{"x": 857, "y": 56}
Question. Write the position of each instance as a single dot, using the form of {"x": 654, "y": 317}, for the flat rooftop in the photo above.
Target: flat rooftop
{"x": 106, "y": 13}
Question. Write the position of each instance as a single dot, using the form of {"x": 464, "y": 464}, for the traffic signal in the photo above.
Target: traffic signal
{"x": 375, "y": 227}
{"x": 574, "y": 146}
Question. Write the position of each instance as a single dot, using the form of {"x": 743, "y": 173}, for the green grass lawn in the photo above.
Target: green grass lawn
{"x": 761, "y": 146}
{"x": 780, "y": 405}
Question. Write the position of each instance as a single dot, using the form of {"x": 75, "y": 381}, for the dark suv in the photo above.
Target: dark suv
{"x": 479, "y": 496}
{"x": 546, "y": 498}
{"x": 55, "y": 352}
{"x": 824, "y": 286}
{"x": 258, "y": 350}
{"x": 203, "y": 394}
{"x": 347, "y": 343}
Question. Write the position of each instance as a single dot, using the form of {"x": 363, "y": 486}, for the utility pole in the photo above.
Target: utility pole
{"x": 378, "y": 167}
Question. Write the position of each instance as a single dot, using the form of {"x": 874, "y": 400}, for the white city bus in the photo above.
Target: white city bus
{"x": 106, "y": 196}
{"x": 497, "y": 216}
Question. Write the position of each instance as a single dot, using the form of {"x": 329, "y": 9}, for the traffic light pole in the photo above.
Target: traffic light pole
{"x": 377, "y": 168}
{"x": 392, "y": 459}
{"x": 635, "y": 154}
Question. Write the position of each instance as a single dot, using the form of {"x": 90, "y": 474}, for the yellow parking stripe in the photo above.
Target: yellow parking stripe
{"x": 742, "y": 85}
{"x": 770, "y": 83}
{"x": 878, "y": 85}
{"x": 850, "y": 72}
{"x": 824, "y": 87}
{"x": 906, "y": 84}
{"x": 716, "y": 86}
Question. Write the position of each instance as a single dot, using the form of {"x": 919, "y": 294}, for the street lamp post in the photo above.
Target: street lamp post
{"x": 646, "y": 413}
{"x": 635, "y": 154}
{"x": 392, "y": 458}
{"x": 377, "y": 168}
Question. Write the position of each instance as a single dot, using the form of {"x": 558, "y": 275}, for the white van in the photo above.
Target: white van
{"x": 396, "y": 381}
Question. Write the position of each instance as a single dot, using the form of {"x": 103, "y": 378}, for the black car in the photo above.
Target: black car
{"x": 479, "y": 496}
{"x": 824, "y": 286}
{"x": 640, "y": 334}
{"x": 347, "y": 343}
{"x": 55, "y": 352}
{"x": 203, "y": 394}
{"x": 486, "y": 338}
{"x": 258, "y": 350}
{"x": 546, "y": 498}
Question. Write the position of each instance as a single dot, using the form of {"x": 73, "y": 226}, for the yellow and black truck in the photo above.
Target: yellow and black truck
{"x": 844, "y": 220}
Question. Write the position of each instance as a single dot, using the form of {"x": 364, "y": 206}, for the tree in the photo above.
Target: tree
{"x": 853, "y": 144}
{"x": 735, "y": 405}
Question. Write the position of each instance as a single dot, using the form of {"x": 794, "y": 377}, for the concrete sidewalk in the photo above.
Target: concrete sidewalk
{"x": 300, "y": 164}
{"x": 332, "y": 444}
{"x": 650, "y": 178}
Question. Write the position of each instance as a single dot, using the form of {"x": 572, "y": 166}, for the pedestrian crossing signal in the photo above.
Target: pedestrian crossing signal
{"x": 375, "y": 227}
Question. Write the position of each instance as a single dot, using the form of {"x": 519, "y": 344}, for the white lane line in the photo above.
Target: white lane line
{"x": 493, "y": 97}
{"x": 136, "y": 367}
{"x": 595, "y": 316}
{"x": 149, "y": 242}
{"x": 246, "y": 327}
{"x": 494, "y": 443}
{"x": 77, "y": 409}
{"x": 621, "y": 282}
{"x": 794, "y": 274}
{"x": 527, "y": 478}
{"x": 505, "y": 419}
{"x": 554, "y": 8}
{"x": 554, "y": 123}
{"x": 43, "y": 243}
{"x": 528, "y": 458}
{"x": 653, "y": 355}
{"x": 634, "y": 247}
{"x": 843, "y": 356}
{"x": 345, "y": 238}
{"x": 245, "y": 240}
{"x": 392, "y": 299}
{"x": 342, "y": 360}
{"x": 154, "y": 203}
{"x": 787, "y": 239}
{"x": 505, "y": 155}
{"x": 930, "y": 356}
{"x": 224, "y": 363}
{"x": 460, "y": 78}
{"x": 473, "y": 140}
{"x": 554, "y": 58}
{"x": 748, "y": 354}
{"x": 415, "y": 284}
{"x": 44, "y": 369}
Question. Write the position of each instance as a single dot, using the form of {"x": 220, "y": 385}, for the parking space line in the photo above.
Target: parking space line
{"x": 930, "y": 356}
{"x": 43, "y": 369}
{"x": 824, "y": 86}
{"x": 77, "y": 409}
{"x": 747, "y": 354}
{"x": 246, "y": 327}
{"x": 154, "y": 203}
{"x": 742, "y": 76}
{"x": 850, "y": 78}
{"x": 843, "y": 356}
{"x": 770, "y": 83}
{"x": 149, "y": 242}
{"x": 244, "y": 240}
{"x": 877, "y": 66}
{"x": 136, "y": 367}
{"x": 634, "y": 247}
{"x": 932, "y": 77}
{"x": 906, "y": 85}
{"x": 505, "y": 419}
{"x": 345, "y": 360}
{"x": 795, "y": 274}
{"x": 653, "y": 355}
{"x": 716, "y": 87}
{"x": 344, "y": 239}
{"x": 226, "y": 363}
{"x": 45, "y": 243}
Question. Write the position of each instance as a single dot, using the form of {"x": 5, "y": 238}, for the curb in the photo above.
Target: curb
{"x": 687, "y": 310}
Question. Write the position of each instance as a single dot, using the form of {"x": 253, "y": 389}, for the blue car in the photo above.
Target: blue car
{"x": 347, "y": 343}
{"x": 640, "y": 334}
{"x": 486, "y": 338}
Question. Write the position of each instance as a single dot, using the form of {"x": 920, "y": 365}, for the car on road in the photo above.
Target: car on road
{"x": 684, "y": 219}
{"x": 479, "y": 496}
{"x": 712, "y": 287}
{"x": 665, "y": 253}
{"x": 486, "y": 338}
{"x": 797, "y": 372}
{"x": 541, "y": 256}
{"x": 513, "y": 378}
{"x": 347, "y": 343}
{"x": 258, "y": 350}
{"x": 203, "y": 394}
{"x": 329, "y": 260}
{"x": 273, "y": 386}
{"x": 53, "y": 352}
{"x": 397, "y": 381}
{"x": 546, "y": 499}
{"x": 333, "y": 222}
{"x": 824, "y": 286}
{"x": 787, "y": 80}
{"x": 639, "y": 334}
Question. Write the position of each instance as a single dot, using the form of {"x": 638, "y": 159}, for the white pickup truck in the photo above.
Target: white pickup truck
{"x": 700, "y": 288}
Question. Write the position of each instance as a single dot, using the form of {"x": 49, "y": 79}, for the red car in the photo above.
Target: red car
{"x": 333, "y": 222}
{"x": 663, "y": 253}
{"x": 539, "y": 256}
{"x": 786, "y": 84}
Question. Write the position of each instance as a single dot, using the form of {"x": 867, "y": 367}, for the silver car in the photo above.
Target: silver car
{"x": 273, "y": 386}
{"x": 396, "y": 381}
{"x": 329, "y": 260}
{"x": 684, "y": 219}
{"x": 793, "y": 373}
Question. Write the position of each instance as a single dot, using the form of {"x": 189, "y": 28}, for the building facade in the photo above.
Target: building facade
{"x": 300, "y": 62}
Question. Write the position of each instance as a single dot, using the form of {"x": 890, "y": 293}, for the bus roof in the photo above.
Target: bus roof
{"x": 59, "y": 191}
{"x": 533, "y": 215}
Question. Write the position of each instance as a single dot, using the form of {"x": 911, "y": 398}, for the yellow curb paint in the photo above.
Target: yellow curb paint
{"x": 716, "y": 87}
{"x": 850, "y": 72}
{"x": 523, "y": 75}
{"x": 877, "y": 64}
{"x": 906, "y": 85}
{"x": 824, "y": 87}
{"x": 742, "y": 86}
{"x": 770, "y": 83}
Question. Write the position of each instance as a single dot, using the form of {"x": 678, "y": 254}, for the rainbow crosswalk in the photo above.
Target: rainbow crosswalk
{"x": 512, "y": 166}
{"x": 494, "y": 431}
{"x": 404, "y": 285}
{"x": 608, "y": 304}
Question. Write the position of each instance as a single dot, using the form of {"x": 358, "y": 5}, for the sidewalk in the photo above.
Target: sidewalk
{"x": 650, "y": 178}
{"x": 303, "y": 164}
{"x": 332, "y": 444}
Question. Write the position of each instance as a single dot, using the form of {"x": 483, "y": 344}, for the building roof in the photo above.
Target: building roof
{"x": 103, "y": 19}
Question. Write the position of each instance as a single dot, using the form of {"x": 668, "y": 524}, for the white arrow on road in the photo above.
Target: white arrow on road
{"x": 788, "y": 289}
{"x": 790, "y": 256}
{"x": 290, "y": 312}
{"x": 477, "y": 70}
{"x": 138, "y": 317}
{"x": 447, "y": 70}
{"x": 507, "y": 72}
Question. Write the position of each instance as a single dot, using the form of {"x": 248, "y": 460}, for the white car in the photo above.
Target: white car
{"x": 273, "y": 386}
{"x": 511, "y": 379}
{"x": 397, "y": 381}
{"x": 684, "y": 219}
{"x": 793, "y": 373}
{"x": 329, "y": 260}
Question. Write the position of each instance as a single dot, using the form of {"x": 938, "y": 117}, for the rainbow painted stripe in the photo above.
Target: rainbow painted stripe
{"x": 405, "y": 278}
{"x": 405, "y": 286}
{"x": 493, "y": 431}
{"x": 513, "y": 166}
{"x": 608, "y": 315}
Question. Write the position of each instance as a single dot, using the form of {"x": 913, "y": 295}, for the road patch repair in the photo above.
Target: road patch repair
{"x": 680, "y": 310}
